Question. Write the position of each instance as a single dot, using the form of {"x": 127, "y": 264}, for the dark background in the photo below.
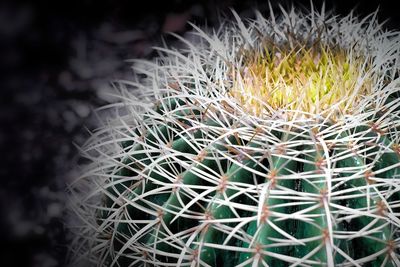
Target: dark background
{"x": 56, "y": 59}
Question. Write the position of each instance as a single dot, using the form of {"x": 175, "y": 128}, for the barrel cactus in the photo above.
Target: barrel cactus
{"x": 271, "y": 141}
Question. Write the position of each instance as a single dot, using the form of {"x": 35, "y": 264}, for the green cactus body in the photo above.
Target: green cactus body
{"x": 263, "y": 149}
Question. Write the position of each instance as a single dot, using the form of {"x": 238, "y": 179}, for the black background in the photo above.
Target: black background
{"x": 45, "y": 101}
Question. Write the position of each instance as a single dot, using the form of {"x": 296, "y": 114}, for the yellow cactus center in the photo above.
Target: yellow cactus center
{"x": 308, "y": 80}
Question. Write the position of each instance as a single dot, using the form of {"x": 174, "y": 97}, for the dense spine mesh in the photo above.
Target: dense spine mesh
{"x": 185, "y": 175}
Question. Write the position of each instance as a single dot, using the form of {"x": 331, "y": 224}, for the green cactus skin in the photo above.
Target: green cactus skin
{"x": 197, "y": 179}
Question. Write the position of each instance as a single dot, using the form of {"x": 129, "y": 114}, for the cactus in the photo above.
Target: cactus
{"x": 269, "y": 142}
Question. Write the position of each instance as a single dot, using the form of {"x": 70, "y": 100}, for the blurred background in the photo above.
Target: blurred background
{"x": 56, "y": 60}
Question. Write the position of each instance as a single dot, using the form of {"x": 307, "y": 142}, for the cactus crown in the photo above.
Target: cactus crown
{"x": 267, "y": 142}
{"x": 311, "y": 79}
